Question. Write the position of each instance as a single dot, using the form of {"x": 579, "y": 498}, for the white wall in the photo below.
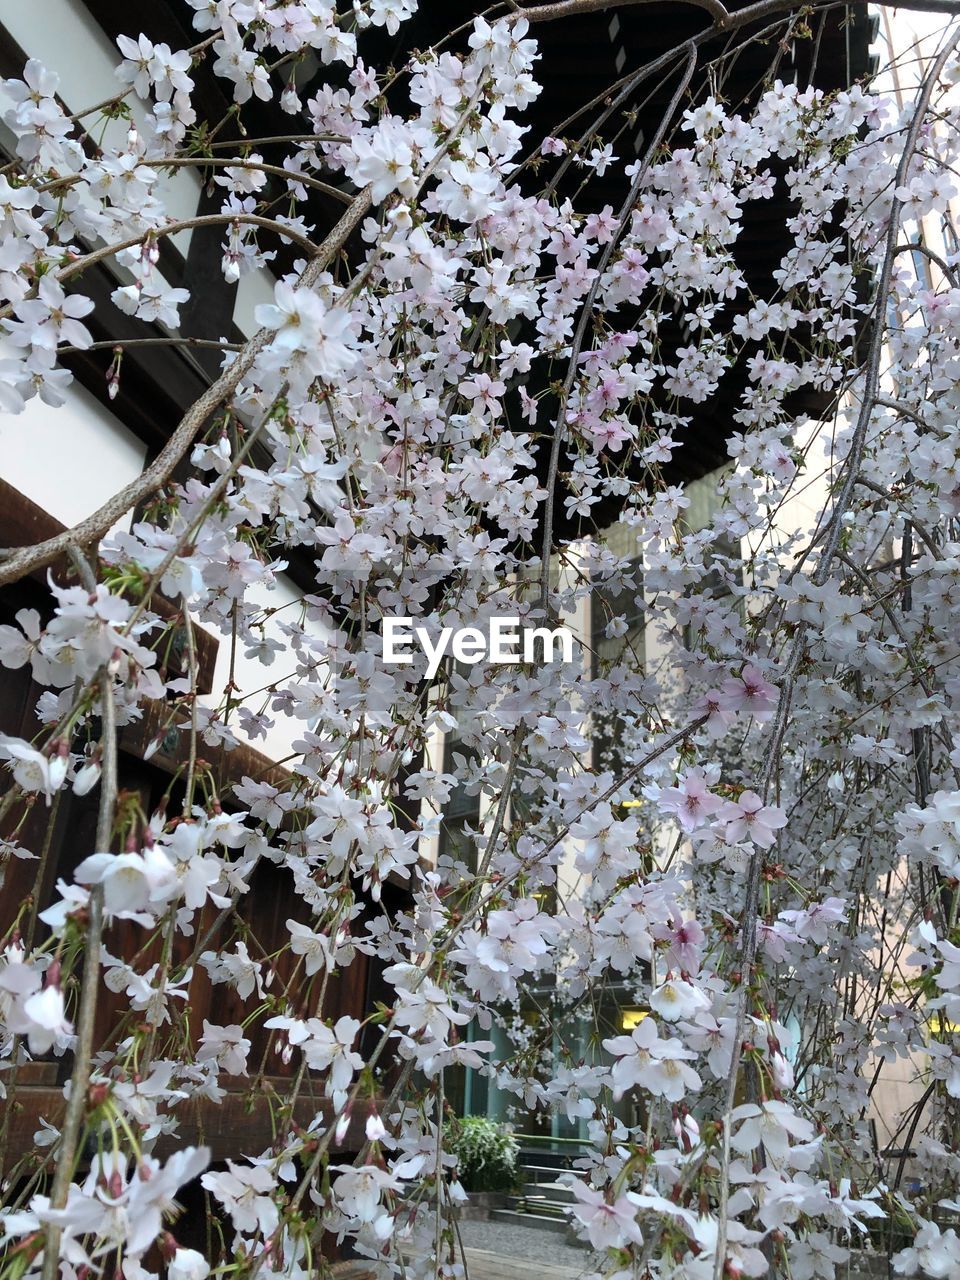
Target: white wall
{"x": 251, "y": 676}
{"x": 69, "y": 460}
{"x": 65, "y": 38}
{"x": 253, "y": 288}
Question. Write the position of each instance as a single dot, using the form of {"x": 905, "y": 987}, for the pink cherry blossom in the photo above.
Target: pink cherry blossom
{"x": 750, "y": 819}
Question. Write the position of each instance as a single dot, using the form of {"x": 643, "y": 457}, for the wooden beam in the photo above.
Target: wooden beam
{"x": 23, "y": 521}
{"x": 227, "y": 766}
{"x": 241, "y": 1124}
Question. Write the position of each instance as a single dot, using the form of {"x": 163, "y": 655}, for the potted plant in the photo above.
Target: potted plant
{"x": 486, "y": 1162}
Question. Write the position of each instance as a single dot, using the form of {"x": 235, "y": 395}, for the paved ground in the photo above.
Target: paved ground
{"x": 500, "y": 1251}
{"x": 482, "y": 1265}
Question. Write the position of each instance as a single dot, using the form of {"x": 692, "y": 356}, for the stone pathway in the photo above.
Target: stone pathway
{"x": 502, "y": 1251}
{"x": 484, "y": 1265}
{"x": 499, "y": 1251}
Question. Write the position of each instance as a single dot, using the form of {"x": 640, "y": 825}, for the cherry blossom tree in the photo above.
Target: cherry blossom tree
{"x": 449, "y": 379}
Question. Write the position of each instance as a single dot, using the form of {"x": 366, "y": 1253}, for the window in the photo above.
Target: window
{"x": 617, "y": 606}
{"x": 714, "y": 585}
{"x": 462, "y": 811}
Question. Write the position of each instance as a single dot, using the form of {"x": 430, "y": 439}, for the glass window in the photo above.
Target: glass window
{"x": 616, "y": 616}
{"x": 462, "y": 810}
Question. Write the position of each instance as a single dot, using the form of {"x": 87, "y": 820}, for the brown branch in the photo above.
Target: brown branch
{"x": 187, "y": 224}
{"x": 112, "y": 344}
{"x": 81, "y": 264}
{"x": 17, "y": 563}
{"x": 223, "y": 162}
{"x": 570, "y": 8}
{"x": 306, "y": 139}
{"x": 723, "y": 19}
{"x": 83, "y": 1051}
{"x": 935, "y": 258}
{"x": 275, "y": 170}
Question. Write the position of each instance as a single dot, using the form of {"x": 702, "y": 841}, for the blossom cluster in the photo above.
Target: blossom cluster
{"x": 763, "y": 860}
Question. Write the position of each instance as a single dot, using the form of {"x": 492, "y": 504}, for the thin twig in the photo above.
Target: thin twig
{"x": 586, "y": 312}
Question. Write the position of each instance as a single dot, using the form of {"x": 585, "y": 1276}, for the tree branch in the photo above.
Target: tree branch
{"x": 723, "y": 19}
{"x": 83, "y": 1052}
{"x": 570, "y": 8}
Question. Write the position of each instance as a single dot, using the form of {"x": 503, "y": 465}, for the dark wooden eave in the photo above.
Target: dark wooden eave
{"x": 581, "y": 58}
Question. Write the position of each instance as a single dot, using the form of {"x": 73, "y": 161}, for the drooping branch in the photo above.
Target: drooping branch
{"x": 226, "y": 162}
{"x": 571, "y": 8}
{"x": 87, "y": 260}
{"x": 92, "y": 946}
{"x": 586, "y": 312}
{"x": 724, "y": 19}
{"x": 833, "y": 528}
